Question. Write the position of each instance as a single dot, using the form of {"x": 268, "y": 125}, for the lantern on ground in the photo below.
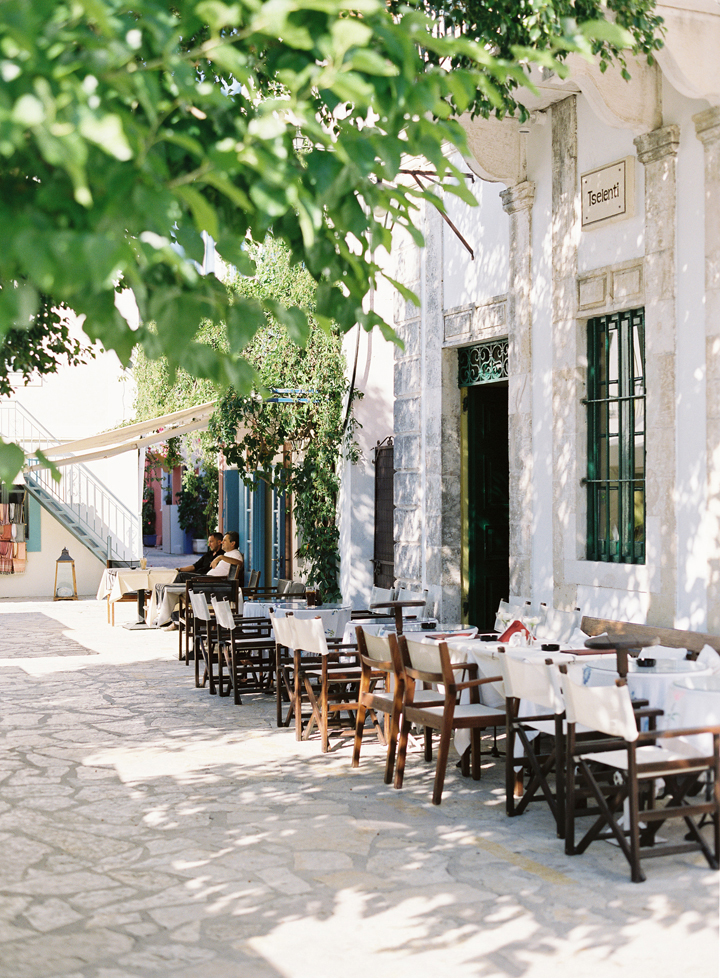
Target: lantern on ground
{"x": 65, "y": 585}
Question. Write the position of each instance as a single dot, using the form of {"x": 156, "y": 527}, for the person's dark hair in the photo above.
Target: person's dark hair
{"x": 235, "y": 538}
{"x": 218, "y": 536}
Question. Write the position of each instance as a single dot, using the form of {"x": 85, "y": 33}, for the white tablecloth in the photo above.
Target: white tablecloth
{"x": 117, "y": 581}
{"x": 335, "y": 617}
{"x": 651, "y": 683}
{"x": 692, "y": 701}
{"x": 263, "y": 609}
{"x": 486, "y": 656}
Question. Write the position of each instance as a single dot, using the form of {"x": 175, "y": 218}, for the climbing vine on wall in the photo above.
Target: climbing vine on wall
{"x": 294, "y": 439}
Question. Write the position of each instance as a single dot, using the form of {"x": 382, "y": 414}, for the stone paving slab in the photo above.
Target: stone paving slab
{"x": 149, "y": 829}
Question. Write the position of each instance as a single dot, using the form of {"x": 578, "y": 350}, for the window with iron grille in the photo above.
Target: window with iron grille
{"x": 616, "y": 438}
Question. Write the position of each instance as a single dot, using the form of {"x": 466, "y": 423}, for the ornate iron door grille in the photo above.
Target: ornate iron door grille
{"x": 483, "y": 363}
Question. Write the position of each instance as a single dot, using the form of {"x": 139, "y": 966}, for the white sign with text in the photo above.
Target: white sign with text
{"x": 608, "y": 193}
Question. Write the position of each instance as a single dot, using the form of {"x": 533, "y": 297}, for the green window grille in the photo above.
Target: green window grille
{"x": 483, "y": 363}
{"x": 616, "y": 438}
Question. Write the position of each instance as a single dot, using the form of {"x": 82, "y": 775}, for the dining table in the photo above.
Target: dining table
{"x": 397, "y": 608}
{"x": 334, "y": 616}
{"x": 649, "y": 680}
{"x": 486, "y": 656}
{"x": 117, "y": 581}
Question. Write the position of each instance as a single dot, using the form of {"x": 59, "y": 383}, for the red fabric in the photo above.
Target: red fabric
{"x": 513, "y": 629}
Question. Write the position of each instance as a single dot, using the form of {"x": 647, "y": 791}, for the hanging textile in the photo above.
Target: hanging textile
{"x": 13, "y": 530}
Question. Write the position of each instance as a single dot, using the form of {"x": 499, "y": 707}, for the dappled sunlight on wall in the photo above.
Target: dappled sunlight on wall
{"x": 486, "y": 229}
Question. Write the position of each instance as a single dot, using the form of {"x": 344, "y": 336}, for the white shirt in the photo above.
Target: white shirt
{"x": 223, "y": 568}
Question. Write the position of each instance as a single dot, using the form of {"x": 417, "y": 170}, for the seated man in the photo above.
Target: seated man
{"x": 167, "y": 595}
{"x": 220, "y": 566}
{"x": 201, "y": 566}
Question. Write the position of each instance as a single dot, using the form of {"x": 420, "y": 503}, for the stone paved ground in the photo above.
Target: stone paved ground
{"x": 148, "y": 829}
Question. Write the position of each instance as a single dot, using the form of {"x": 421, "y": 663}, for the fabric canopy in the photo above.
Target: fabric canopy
{"x": 131, "y": 437}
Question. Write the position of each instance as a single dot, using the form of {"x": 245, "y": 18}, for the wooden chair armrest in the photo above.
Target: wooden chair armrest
{"x": 680, "y": 732}
{"x": 478, "y": 682}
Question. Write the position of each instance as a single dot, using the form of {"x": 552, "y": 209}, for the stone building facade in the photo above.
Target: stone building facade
{"x": 536, "y": 278}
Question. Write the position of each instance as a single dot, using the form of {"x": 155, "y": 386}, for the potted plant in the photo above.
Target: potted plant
{"x": 197, "y": 505}
{"x": 148, "y": 518}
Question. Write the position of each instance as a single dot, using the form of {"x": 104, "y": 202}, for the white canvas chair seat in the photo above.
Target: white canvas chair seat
{"x": 660, "y": 758}
{"x": 641, "y": 758}
{"x": 466, "y": 713}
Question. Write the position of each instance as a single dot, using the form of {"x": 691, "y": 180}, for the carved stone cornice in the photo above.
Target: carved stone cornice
{"x": 518, "y": 198}
{"x": 707, "y": 125}
{"x": 657, "y": 145}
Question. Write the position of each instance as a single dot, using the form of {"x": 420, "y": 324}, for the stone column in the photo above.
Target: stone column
{"x": 657, "y": 151}
{"x": 568, "y": 379}
{"x": 418, "y": 411}
{"x": 407, "y": 414}
{"x": 518, "y": 202}
{"x": 432, "y": 353}
{"x": 707, "y": 126}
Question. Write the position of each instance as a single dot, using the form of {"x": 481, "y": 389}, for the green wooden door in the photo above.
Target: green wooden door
{"x": 487, "y": 526}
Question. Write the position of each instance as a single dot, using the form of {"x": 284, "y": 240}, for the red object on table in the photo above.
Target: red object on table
{"x": 513, "y": 629}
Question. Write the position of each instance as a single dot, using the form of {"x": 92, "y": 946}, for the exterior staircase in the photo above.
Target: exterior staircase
{"x": 79, "y": 502}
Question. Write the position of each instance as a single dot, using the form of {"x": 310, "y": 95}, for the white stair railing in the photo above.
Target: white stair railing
{"x": 95, "y": 510}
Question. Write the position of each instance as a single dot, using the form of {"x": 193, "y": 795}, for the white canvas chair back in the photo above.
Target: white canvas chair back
{"x": 434, "y": 601}
{"x": 528, "y": 680}
{"x": 378, "y": 647}
{"x": 379, "y": 594}
{"x": 223, "y": 613}
{"x": 558, "y": 626}
{"x": 605, "y": 708}
{"x": 513, "y": 608}
{"x": 295, "y": 587}
{"x": 199, "y": 605}
{"x": 405, "y": 595}
{"x": 282, "y": 585}
{"x": 283, "y": 630}
{"x": 425, "y": 656}
{"x": 310, "y": 635}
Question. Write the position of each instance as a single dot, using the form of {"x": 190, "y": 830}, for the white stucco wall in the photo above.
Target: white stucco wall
{"x": 356, "y": 503}
{"x": 599, "y": 145}
{"x": 39, "y": 578}
{"x": 694, "y": 545}
{"x": 486, "y": 230}
{"x": 78, "y": 402}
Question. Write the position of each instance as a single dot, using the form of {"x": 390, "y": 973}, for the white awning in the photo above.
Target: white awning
{"x": 131, "y": 437}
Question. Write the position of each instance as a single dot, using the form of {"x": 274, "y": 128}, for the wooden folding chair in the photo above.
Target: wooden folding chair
{"x": 636, "y": 762}
{"x": 532, "y": 681}
{"x": 129, "y": 596}
{"x": 330, "y": 685}
{"x": 284, "y": 666}
{"x": 379, "y": 661}
{"x": 429, "y": 662}
{"x": 242, "y": 645}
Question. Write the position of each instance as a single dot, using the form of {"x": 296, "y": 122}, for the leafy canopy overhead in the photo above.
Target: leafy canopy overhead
{"x": 524, "y": 28}
{"x": 127, "y": 132}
